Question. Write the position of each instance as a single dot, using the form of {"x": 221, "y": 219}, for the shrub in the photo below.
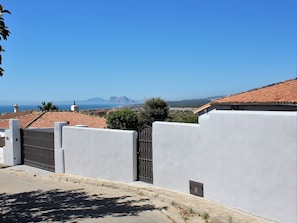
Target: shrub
{"x": 154, "y": 109}
{"x": 125, "y": 119}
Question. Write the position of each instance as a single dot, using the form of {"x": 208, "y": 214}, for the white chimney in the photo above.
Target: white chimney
{"x": 74, "y": 107}
{"x": 15, "y": 108}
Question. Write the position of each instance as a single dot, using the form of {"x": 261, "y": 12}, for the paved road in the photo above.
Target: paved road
{"x": 32, "y": 195}
{"x": 38, "y": 198}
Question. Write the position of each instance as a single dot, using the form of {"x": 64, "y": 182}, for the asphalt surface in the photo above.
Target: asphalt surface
{"x": 37, "y": 197}
{"x": 32, "y": 195}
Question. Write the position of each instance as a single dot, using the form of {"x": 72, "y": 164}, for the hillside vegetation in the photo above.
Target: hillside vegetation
{"x": 194, "y": 103}
{"x": 182, "y": 116}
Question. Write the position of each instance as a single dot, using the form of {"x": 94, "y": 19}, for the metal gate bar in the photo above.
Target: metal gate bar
{"x": 144, "y": 155}
{"x": 38, "y": 148}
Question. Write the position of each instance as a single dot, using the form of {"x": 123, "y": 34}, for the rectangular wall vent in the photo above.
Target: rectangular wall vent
{"x": 196, "y": 188}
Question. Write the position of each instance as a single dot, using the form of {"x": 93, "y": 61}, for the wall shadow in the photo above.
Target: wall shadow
{"x": 69, "y": 205}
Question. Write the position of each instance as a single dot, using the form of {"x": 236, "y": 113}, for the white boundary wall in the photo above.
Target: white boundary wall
{"x": 100, "y": 153}
{"x": 245, "y": 159}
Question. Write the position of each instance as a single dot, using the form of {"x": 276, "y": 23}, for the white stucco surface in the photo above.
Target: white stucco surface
{"x": 245, "y": 159}
{"x": 12, "y": 149}
{"x": 2, "y": 133}
{"x": 100, "y": 153}
{"x": 59, "y": 151}
{"x": 1, "y": 154}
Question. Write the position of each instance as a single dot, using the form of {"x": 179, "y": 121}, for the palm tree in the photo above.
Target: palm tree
{"x": 48, "y": 107}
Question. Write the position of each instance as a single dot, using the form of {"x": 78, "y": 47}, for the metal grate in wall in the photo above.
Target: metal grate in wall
{"x": 196, "y": 188}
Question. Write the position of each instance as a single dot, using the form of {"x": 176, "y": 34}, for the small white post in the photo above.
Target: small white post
{"x": 59, "y": 152}
{"x": 12, "y": 153}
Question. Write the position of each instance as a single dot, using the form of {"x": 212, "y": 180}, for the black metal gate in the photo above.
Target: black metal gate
{"x": 145, "y": 155}
{"x": 38, "y": 148}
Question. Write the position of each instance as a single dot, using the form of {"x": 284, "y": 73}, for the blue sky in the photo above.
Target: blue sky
{"x": 74, "y": 49}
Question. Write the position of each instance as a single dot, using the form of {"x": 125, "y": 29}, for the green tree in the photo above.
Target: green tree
{"x": 4, "y": 33}
{"x": 125, "y": 119}
{"x": 154, "y": 109}
{"x": 48, "y": 106}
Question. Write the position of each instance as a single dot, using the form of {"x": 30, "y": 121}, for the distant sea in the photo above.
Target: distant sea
{"x": 9, "y": 108}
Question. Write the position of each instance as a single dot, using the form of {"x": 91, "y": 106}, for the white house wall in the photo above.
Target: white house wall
{"x": 100, "y": 153}
{"x": 245, "y": 159}
{"x": 2, "y": 132}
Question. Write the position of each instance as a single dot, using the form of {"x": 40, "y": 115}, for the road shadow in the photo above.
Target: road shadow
{"x": 69, "y": 205}
{"x": 3, "y": 166}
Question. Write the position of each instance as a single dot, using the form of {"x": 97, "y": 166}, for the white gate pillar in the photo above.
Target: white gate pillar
{"x": 12, "y": 153}
{"x": 59, "y": 151}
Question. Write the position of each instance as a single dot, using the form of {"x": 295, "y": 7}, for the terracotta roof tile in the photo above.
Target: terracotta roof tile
{"x": 26, "y": 120}
{"x": 4, "y": 124}
{"x": 24, "y": 117}
{"x": 202, "y": 108}
{"x": 280, "y": 93}
{"x": 48, "y": 119}
{"x": 74, "y": 118}
{"x": 16, "y": 114}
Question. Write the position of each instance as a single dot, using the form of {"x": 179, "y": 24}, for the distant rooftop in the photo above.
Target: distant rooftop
{"x": 16, "y": 114}
{"x": 73, "y": 118}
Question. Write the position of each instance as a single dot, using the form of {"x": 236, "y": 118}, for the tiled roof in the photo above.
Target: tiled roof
{"x": 16, "y": 114}
{"x": 28, "y": 119}
{"x": 4, "y": 124}
{"x": 47, "y": 119}
{"x": 25, "y": 117}
{"x": 202, "y": 108}
{"x": 74, "y": 118}
{"x": 280, "y": 93}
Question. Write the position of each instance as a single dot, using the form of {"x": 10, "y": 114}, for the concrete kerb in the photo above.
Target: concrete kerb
{"x": 191, "y": 206}
{"x": 3, "y": 165}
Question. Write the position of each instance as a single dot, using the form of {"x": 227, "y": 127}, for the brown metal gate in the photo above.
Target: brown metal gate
{"x": 145, "y": 155}
{"x": 38, "y": 148}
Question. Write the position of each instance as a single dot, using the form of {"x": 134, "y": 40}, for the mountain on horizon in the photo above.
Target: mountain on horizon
{"x": 95, "y": 100}
{"x": 121, "y": 100}
{"x": 192, "y": 102}
{"x": 112, "y": 100}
